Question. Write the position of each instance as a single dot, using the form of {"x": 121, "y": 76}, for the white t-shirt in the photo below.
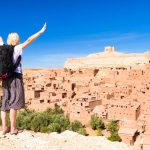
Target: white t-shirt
{"x": 17, "y": 52}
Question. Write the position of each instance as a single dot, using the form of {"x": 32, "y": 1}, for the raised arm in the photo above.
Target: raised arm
{"x": 33, "y": 37}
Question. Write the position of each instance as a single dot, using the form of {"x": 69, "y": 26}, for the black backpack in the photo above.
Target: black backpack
{"x": 7, "y": 67}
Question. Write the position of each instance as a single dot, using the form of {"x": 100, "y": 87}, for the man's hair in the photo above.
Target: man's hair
{"x": 13, "y": 39}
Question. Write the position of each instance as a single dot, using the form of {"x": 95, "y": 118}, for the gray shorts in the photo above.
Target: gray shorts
{"x": 13, "y": 93}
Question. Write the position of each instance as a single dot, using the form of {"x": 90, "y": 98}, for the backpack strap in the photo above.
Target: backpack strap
{"x": 17, "y": 62}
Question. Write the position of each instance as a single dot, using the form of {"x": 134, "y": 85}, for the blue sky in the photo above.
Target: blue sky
{"x": 76, "y": 28}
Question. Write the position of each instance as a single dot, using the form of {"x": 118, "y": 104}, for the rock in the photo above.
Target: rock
{"x": 108, "y": 58}
{"x": 54, "y": 141}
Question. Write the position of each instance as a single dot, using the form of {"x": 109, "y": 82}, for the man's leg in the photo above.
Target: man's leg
{"x": 4, "y": 121}
{"x": 13, "y": 114}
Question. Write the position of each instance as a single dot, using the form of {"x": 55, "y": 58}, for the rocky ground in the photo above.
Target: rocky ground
{"x": 67, "y": 140}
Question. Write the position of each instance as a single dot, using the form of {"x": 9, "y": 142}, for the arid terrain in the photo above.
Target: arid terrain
{"x": 64, "y": 141}
{"x": 110, "y": 84}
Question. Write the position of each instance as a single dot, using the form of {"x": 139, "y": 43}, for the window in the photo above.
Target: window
{"x": 73, "y": 86}
{"x": 53, "y": 94}
{"x": 48, "y": 85}
{"x": 42, "y": 101}
{"x": 64, "y": 95}
{"x": 36, "y": 94}
{"x": 80, "y": 72}
{"x": 54, "y": 86}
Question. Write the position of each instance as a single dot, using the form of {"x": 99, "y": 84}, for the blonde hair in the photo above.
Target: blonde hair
{"x": 13, "y": 39}
{"x": 1, "y": 40}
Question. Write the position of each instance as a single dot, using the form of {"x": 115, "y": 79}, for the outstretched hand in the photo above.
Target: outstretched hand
{"x": 33, "y": 37}
{"x": 43, "y": 28}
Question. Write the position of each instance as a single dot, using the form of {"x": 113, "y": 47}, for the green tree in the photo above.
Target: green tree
{"x": 54, "y": 127}
{"x": 56, "y": 110}
{"x": 61, "y": 120}
{"x": 82, "y": 131}
{"x": 113, "y": 127}
{"x": 24, "y": 119}
{"x": 40, "y": 120}
{"x": 75, "y": 125}
{"x": 44, "y": 129}
{"x": 114, "y": 137}
{"x": 49, "y": 111}
{"x": 96, "y": 122}
{"x": 99, "y": 132}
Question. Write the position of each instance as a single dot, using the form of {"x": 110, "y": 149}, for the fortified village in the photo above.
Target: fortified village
{"x": 111, "y": 84}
